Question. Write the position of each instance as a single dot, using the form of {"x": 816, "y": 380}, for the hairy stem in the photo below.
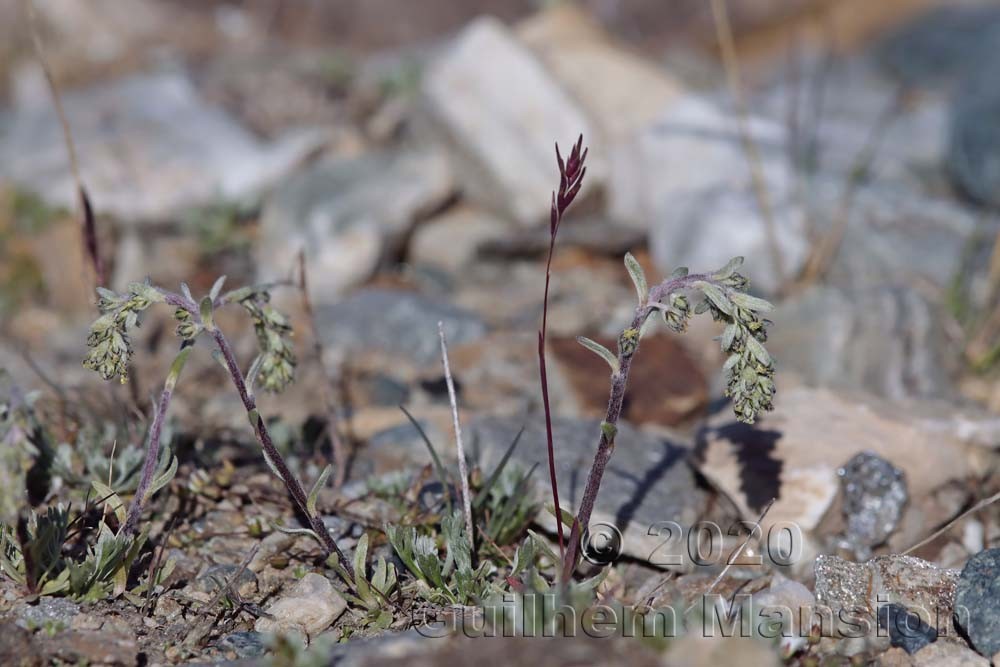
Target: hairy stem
{"x": 619, "y": 383}
{"x": 153, "y": 448}
{"x": 274, "y": 456}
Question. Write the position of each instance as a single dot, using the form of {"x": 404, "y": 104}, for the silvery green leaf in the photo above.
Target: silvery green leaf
{"x": 217, "y": 287}
{"x": 524, "y": 557}
{"x": 107, "y": 294}
{"x": 646, "y": 327}
{"x": 176, "y": 367}
{"x": 252, "y": 373}
{"x": 162, "y": 479}
{"x": 638, "y": 277}
{"x": 701, "y": 306}
{"x": 544, "y": 546}
{"x": 110, "y": 498}
{"x": 717, "y": 297}
{"x": 267, "y": 459}
{"x": 205, "y": 307}
{"x": 308, "y": 532}
{"x": 758, "y": 351}
{"x": 186, "y": 291}
{"x": 360, "y": 559}
{"x": 314, "y": 494}
{"x": 728, "y": 336}
{"x": 751, "y": 302}
{"x": 728, "y": 269}
{"x": 600, "y": 350}
{"x": 679, "y": 272}
{"x": 731, "y": 362}
{"x": 219, "y": 357}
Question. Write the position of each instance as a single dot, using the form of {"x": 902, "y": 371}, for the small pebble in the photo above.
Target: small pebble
{"x": 310, "y": 606}
{"x": 906, "y": 630}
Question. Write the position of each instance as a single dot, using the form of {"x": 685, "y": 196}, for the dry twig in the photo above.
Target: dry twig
{"x": 463, "y": 471}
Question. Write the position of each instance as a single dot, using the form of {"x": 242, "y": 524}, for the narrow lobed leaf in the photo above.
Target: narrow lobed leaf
{"x": 751, "y": 302}
{"x": 601, "y": 351}
{"x": 717, "y": 297}
{"x": 729, "y": 269}
{"x": 638, "y": 277}
{"x": 317, "y": 487}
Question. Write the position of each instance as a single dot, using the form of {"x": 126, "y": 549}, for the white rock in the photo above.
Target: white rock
{"x": 686, "y": 177}
{"x": 620, "y": 91}
{"x": 501, "y": 112}
{"x": 348, "y": 215}
{"x": 690, "y": 147}
{"x": 310, "y": 606}
{"x": 790, "y": 603}
{"x": 709, "y": 227}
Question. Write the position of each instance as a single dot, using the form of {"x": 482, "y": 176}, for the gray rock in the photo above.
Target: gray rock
{"x": 217, "y": 576}
{"x": 860, "y": 121}
{"x": 363, "y": 652}
{"x": 349, "y": 215}
{"x": 977, "y": 601}
{"x": 973, "y": 157}
{"x": 310, "y": 606}
{"x": 619, "y": 90}
{"x": 896, "y": 236}
{"x": 874, "y": 495}
{"x": 940, "y": 45}
{"x": 647, "y": 482}
{"x": 52, "y": 613}
{"x": 243, "y": 644}
{"x": 400, "y": 323}
{"x": 887, "y": 341}
{"x": 148, "y": 146}
{"x": 500, "y": 112}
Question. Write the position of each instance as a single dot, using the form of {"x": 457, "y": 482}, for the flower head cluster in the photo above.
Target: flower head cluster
{"x": 187, "y": 327}
{"x": 109, "y": 341}
{"x": 277, "y": 360}
{"x": 749, "y": 369}
{"x": 676, "y": 312}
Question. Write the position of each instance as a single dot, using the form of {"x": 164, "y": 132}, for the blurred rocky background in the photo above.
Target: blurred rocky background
{"x": 850, "y": 150}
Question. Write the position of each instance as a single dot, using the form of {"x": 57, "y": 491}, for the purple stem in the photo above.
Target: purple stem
{"x": 619, "y": 382}
{"x": 149, "y": 466}
{"x": 264, "y": 438}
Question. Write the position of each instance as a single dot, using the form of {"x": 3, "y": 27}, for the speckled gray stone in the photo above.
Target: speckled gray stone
{"x": 874, "y": 494}
{"x": 977, "y": 601}
{"x": 243, "y": 644}
{"x": 48, "y": 612}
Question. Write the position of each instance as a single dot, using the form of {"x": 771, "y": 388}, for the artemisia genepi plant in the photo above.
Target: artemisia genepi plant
{"x": 272, "y": 369}
{"x": 749, "y": 369}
